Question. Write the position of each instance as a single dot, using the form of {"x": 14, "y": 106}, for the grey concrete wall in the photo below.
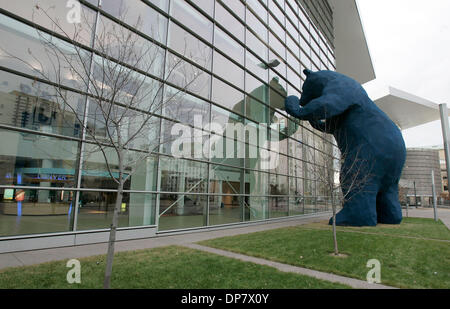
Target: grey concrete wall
{"x": 418, "y": 166}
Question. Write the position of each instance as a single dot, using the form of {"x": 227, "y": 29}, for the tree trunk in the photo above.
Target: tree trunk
{"x": 112, "y": 236}
{"x": 336, "y": 250}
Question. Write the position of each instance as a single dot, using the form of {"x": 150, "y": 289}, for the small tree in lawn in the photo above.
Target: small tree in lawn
{"x": 340, "y": 185}
{"x": 124, "y": 79}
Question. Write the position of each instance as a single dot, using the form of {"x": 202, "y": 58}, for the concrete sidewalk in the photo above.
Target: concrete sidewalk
{"x": 443, "y": 214}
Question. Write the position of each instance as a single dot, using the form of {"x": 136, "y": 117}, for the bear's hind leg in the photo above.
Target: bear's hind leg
{"x": 359, "y": 210}
{"x": 388, "y": 206}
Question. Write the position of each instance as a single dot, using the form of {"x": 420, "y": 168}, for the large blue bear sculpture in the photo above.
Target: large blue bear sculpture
{"x": 371, "y": 146}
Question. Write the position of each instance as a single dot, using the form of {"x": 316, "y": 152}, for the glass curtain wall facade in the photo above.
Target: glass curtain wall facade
{"x": 52, "y": 180}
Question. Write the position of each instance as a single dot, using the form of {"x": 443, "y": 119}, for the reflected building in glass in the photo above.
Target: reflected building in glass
{"x": 54, "y": 181}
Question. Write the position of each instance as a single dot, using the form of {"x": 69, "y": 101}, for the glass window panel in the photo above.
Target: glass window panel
{"x": 139, "y": 167}
{"x": 187, "y": 76}
{"x": 230, "y": 22}
{"x": 189, "y": 46}
{"x": 278, "y": 206}
{"x": 185, "y": 108}
{"x": 294, "y": 49}
{"x": 29, "y": 104}
{"x": 258, "y": 48}
{"x": 226, "y": 180}
{"x": 257, "y": 111}
{"x": 291, "y": 14}
{"x": 192, "y": 19}
{"x": 227, "y": 151}
{"x": 35, "y": 160}
{"x": 277, "y": 93}
{"x": 53, "y": 14}
{"x": 140, "y": 16}
{"x": 126, "y": 46}
{"x": 223, "y": 117}
{"x": 96, "y": 210}
{"x": 279, "y": 15}
{"x": 227, "y": 96}
{"x": 256, "y": 88}
{"x": 183, "y": 141}
{"x": 224, "y": 209}
{"x": 276, "y": 28}
{"x": 138, "y": 129}
{"x": 229, "y": 46}
{"x": 162, "y": 4}
{"x": 255, "y": 65}
{"x": 309, "y": 202}
{"x": 256, "y": 204}
{"x": 295, "y": 168}
{"x": 237, "y": 7}
{"x": 293, "y": 78}
{"x": 228, "y": 70}
{"x": 26, "y": 211}
{"x": 296, "y": 198}
{"x": 256, "y": 25}
{"x": 258, "y": 9}
{"x": 280, "y": 3}
{"x": 183, "y": 208}
{"x": 29, "y": 55}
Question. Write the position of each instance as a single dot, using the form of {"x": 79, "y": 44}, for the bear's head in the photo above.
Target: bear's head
{"x": 314, "y": 84}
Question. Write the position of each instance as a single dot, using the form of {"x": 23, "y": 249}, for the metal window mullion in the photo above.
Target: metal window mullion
{"x": 208, "y": 164}
{"x": 158, "y": 164}
{"x": 84, "y": 125}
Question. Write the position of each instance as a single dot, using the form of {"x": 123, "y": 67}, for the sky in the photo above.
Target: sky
{"x": 409, "y": 42}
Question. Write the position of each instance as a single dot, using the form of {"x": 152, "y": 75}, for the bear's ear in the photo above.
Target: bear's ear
{"x": 307, "y": 72}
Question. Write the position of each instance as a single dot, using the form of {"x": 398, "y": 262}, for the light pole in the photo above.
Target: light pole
{"x": 445, "y": 135}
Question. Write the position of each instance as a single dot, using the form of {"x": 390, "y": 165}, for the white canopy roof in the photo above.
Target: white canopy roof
{"x": 405, "y": 109}
{"x": 351, "y": 50}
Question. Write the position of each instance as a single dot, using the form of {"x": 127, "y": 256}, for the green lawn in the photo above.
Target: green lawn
{"x": 163, "y": 268}
{"x": 405, "y": 261}
{"x": 411, "y": 227}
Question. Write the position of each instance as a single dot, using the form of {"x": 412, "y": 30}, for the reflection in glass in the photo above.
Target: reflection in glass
{"x": 227, "y": 96}
{"x": 229, "y": 21}
{"x": 96, "y": 174}
{"x": 256, "y": 185}
{"x": 35, "y": 160}
{"x": 189, "y": 46}
{"x": 96, "y": 209}
{"x": 183, "y": 208}
{"x": 192, "y": 19}
{"x": 126, "y": 47}
{"x": 138, "y": 14}
{"x": 228, "y": 70}
{"x": 26, "y": 211}
{"x": 185, "y": 108}
{"x": 224, "y": 209}
{"x": 49, "y": 16}
{"x": 32, "y": 105}
{"x": 29, "y": 55}
{"x": 278, "y": 206}
{"x": 228, "y": 45}
{"x": 187, "y": 76}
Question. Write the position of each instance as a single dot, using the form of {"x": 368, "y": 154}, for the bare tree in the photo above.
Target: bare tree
{"x": 339, "y": 184}
{"x": 124, "y": 76}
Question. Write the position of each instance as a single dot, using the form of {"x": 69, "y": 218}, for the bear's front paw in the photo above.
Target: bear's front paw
{"x": 292, "y": 105}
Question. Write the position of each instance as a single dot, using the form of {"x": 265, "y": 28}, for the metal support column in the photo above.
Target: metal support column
{"x": 446, "y": 135}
